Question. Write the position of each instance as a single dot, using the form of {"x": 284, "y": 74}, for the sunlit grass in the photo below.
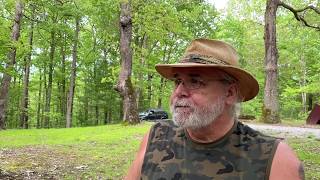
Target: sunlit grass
{"x": 308, "y": 150}
{"x": 77, "y": 153}
{"x": 102, "y": 152}
{"x": 100, "y": 134}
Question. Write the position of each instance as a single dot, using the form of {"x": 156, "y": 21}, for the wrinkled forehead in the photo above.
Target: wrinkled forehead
{"x": 198, "y": 72}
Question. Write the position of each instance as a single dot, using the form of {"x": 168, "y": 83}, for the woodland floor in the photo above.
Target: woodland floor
{"x": 103, "y": 160}
{"x": 41, "y": 162}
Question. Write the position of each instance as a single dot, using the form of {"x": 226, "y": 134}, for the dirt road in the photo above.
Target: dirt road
{"x": 285, "y": 131}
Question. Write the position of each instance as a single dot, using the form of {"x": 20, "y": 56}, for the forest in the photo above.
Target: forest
{"x": 63, "y": 61}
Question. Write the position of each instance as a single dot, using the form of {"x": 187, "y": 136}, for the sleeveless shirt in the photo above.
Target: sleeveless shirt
{"x": 242, "y": 153}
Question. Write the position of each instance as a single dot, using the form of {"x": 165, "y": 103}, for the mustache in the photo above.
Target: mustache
{"x": 182, "y": 103}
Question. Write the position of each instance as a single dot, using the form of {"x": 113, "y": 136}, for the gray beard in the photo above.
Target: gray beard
{"x": 198, "y": 117}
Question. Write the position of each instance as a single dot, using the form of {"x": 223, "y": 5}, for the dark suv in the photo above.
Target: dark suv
{"x": 153, "y": 114}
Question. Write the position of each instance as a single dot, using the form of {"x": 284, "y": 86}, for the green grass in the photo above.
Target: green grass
{"x": 308, "y": 151}
{"x": 101, "y": 134}
{"x": 76, "y": 153}
{"x": 103, "y": 152}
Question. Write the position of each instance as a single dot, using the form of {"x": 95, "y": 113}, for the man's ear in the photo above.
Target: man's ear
{"x": 231, "y": 93}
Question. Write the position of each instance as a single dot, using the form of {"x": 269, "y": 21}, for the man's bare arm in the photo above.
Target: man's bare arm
{"x": 134, "y": 172}
{"x": 286, "y": 165}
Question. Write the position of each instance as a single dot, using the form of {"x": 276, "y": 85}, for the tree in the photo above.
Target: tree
{"x": 47, "y": 108}
{"x": 25, "y": 95}
{"x": 124, "y": 85}
{"x": 73, "y": 75}
{"x": 271, "y": 104}
{"x": 11, "y": 62}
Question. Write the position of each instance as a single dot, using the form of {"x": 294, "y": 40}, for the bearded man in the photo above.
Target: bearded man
{"x": 205, "y": 140}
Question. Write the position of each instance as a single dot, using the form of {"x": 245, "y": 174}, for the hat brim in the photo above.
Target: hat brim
{"x": 248, "y": 85}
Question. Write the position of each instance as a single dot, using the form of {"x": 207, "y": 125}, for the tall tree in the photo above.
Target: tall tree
{"x": 124, "y": 85}
{"x": 62, "y": 83}
{"x": 53, "y": 44}
{"x": 5, "y": 84}
{"x": 73, "y": 74}
{"x": 25, "y": 95}
{"x": 39, "y": 114}
{"x": 47, "y": 107}
{"x": 271, "y": 104}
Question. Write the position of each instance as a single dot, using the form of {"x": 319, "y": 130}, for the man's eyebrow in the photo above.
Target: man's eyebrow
{"x": 194, "y": 75}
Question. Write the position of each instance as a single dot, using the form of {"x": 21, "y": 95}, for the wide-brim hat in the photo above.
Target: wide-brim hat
{"x": 205, "y": 53}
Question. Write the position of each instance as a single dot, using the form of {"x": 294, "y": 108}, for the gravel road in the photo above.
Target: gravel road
{"x": 285, "y": 131}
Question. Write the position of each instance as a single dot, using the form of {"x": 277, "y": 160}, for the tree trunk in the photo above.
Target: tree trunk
{"x": 164, "y": 60}
{"x": 149, "y": 78}
{"x": 162, "y": 82}
{"x": 44, "y": 97}
{"x": 121, "y": 108}
{"x": 50, "y": 75}
{"x": 13, "y": 113}
{"x": 310, "y": 102}
{"x": 5, "y": 84}
{"x": 166, "y": 57}
{"x": 271, "y": 106}
{"x": 86, "y": 108}
{"x": 59, "y": 120}
{"x": 63, "y": 95}
{"x": 149, "y": 88}
{"x": 95, "y": 77}
{"x": 143, "y": 47}
{"x": 107, "y": 113}
{"x": 39, "y": 124}
{"x": 73, "y": 75}
{"x": 25, "y": 96}
{"x": 124, "y": 85}
{"x": 303, "y": 82}
{"x": 97, "y": 114}
{"x": 109, "y": 116}
{"x": 105, "y": 121}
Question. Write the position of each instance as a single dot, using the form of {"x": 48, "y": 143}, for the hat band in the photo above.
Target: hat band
{"x": 202, "y": 59}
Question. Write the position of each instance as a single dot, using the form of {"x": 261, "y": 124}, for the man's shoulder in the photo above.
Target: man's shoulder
{"x": 164, "y": 123}
{"x": 246, "y": 130}
{"x": 285, "y": 164}
{"x": 164, "y": 129}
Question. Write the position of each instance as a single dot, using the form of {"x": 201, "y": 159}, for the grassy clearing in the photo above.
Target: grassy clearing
{"x": 103, "y": 152}
{"x": 284, "y": 122}
{"x": 308, "y": 150}
{"x": 77, "y": 153}
{"x": 101, "y": 134}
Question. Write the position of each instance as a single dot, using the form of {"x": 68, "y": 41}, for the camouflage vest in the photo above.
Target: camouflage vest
{"x": 242, "y": 153}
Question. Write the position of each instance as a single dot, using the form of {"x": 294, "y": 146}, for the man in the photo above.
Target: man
{"x": 205, "y": 140}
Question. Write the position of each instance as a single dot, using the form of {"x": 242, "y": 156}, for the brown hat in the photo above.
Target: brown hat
{"x": 205, "y": 53}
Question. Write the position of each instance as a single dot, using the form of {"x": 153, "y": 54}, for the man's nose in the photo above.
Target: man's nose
{"x": 181, "y": 90}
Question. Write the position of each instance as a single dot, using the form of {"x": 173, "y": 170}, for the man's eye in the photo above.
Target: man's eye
{"x": 177, "y": 82}
{"x": 195, "y": 81}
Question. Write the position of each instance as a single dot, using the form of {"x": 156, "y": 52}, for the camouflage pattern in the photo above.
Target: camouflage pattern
{"x": 242, "y": 153}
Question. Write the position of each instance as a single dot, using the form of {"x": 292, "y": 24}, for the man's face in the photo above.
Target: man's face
{"x": 198, "y": 97}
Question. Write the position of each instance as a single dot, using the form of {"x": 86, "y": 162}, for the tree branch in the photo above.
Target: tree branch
{"x": 32, "y": 19}
{"x": 299, "y": 17}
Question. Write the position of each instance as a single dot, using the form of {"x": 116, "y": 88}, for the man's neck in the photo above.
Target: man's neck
{"x": 214, "y": 131}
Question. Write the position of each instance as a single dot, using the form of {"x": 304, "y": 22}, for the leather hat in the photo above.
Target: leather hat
{"x": 206, "y": 53}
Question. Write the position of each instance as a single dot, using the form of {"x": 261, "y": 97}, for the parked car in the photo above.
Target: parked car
{"x": 153, "y": 114}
